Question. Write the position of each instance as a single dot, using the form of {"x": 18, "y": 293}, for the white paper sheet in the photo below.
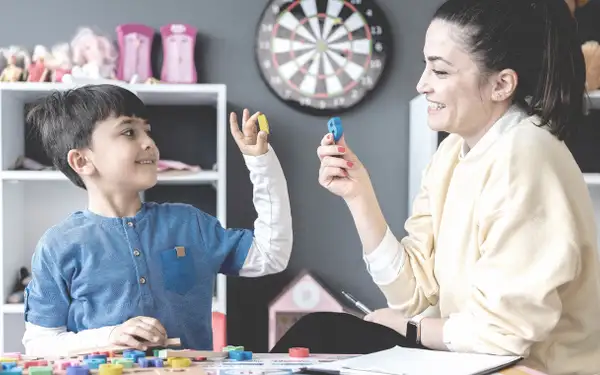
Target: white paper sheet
{"x": 405, "y": 361}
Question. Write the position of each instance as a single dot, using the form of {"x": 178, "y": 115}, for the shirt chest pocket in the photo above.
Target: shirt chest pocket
{"x": 179, "y": 270}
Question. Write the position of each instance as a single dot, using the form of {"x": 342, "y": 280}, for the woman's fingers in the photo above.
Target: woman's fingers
{"x": 332, "y": 161}
{"x": 327, "y": 139}
{"x": 327, "y": 174}
{"x": 330, "y": 150}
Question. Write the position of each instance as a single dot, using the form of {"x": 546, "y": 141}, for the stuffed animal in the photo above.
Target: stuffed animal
{"x": 591, "y": 54}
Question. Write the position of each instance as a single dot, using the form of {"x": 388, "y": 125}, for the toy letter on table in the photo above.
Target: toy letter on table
{"x": 179, "y": 43}
{"x": 135, "y": 45}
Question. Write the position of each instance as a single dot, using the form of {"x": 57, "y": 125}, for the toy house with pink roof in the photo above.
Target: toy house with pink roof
{"x": 305, "y": 294}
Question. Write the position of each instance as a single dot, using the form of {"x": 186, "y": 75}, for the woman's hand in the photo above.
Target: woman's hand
{"x": 390, "y": 318}
{"x": 344, "y": 175}
{"x": 341, "y": 172}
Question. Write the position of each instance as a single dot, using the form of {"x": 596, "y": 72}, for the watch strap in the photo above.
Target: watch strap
{"x": 413, "y": 329}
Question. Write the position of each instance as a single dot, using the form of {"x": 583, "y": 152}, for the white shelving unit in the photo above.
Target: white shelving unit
{"x": 32, "y": 201}
{"x": 423, "y": 143}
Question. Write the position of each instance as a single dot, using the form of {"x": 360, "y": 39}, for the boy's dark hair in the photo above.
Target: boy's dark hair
{"x": 66, "y": 119}
{"x": 538, "y": 40}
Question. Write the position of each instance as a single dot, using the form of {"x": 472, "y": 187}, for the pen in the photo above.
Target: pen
{"x": 307, "y": 371}
{"x": 318, "y": 371}
{"x": 357, "y": 303}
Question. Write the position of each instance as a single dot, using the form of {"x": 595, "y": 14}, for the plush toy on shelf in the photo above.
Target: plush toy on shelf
{"x": 17, "y": 63}
{"x": 59, "y": 62}
{"x": 38, "y": 70}
{"x": 94, "y": 55}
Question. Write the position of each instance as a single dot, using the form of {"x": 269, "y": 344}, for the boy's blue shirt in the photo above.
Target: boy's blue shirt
{"x": 91, "y": 271}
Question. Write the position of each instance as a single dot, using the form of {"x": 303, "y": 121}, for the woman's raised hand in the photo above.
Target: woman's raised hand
{"x": 341, "y": 172}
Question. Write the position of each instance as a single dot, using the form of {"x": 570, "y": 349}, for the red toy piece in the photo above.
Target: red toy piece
{"x": 299, "y": 352}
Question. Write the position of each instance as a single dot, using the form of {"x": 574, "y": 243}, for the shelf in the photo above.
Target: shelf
{"x": 175, "y": 177}
{"x": 13, "y": 308}
{"x": 162, "y": 93}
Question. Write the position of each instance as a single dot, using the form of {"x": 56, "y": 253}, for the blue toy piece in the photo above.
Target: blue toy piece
{"x": 134, "y": 354}
{"x": 97, "y": 356}
{"x": 78, "y": 370}
{"x": 13, "y": 371}
{"x": 94, "y": 363}
{"x": 239, "y": 355}
{"x": 334, "y": 126}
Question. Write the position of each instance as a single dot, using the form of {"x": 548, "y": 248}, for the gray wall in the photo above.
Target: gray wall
{"x": 325, "y": 238}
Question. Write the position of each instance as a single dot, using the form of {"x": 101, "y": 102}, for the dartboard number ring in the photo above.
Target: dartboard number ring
{"x": 322, "y": 56}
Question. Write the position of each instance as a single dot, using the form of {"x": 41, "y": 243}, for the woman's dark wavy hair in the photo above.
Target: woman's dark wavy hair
{"x": 538, "y": 40}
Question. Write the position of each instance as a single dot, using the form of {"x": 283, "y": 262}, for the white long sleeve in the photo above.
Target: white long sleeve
{"x": 272, "y": 246}
{"x": 42, "y": 341}
{"x": 385, "y": 262}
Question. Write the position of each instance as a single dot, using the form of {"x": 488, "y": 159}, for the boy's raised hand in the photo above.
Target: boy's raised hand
{"x": 249, "y": 139}
{"x": 138, "y": 332}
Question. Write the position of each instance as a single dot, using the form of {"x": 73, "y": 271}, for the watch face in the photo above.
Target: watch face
{"x": 323, "y": 56}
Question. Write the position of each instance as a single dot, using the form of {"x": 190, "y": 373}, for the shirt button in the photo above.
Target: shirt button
{"x": 142, "y": 280}
{"x": 136, "y": 252}
{"x": 130, "y": 223}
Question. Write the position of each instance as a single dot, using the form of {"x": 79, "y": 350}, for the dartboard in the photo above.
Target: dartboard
{"x": 322, "y": 56}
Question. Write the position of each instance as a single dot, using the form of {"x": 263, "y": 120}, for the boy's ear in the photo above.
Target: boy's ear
{"x": 80, "y": 163}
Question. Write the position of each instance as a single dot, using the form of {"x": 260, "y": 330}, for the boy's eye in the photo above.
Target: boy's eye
{"x": 128, "y": 132}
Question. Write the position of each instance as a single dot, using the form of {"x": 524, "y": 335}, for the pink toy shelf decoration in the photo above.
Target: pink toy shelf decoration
{"x": 305, "y": 294}
{"x": 178, "y": 41}
{"x": 135, "y": 46}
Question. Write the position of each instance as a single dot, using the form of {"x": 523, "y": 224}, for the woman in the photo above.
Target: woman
{"x": 502, "y": 237}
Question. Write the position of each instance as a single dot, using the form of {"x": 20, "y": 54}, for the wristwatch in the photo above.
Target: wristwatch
{"x": 413, "y": 329}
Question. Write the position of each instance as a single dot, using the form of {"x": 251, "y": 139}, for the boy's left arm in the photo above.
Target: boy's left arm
{"x": 271, "y": 246}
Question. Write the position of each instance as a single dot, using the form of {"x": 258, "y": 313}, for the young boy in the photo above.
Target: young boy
{"x": 124, "y": 272}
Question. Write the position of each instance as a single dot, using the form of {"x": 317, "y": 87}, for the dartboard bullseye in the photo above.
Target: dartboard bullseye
{"x": 322, "y": 56}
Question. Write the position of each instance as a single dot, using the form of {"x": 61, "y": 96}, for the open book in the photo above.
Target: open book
{"x": 406, "y": 361}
